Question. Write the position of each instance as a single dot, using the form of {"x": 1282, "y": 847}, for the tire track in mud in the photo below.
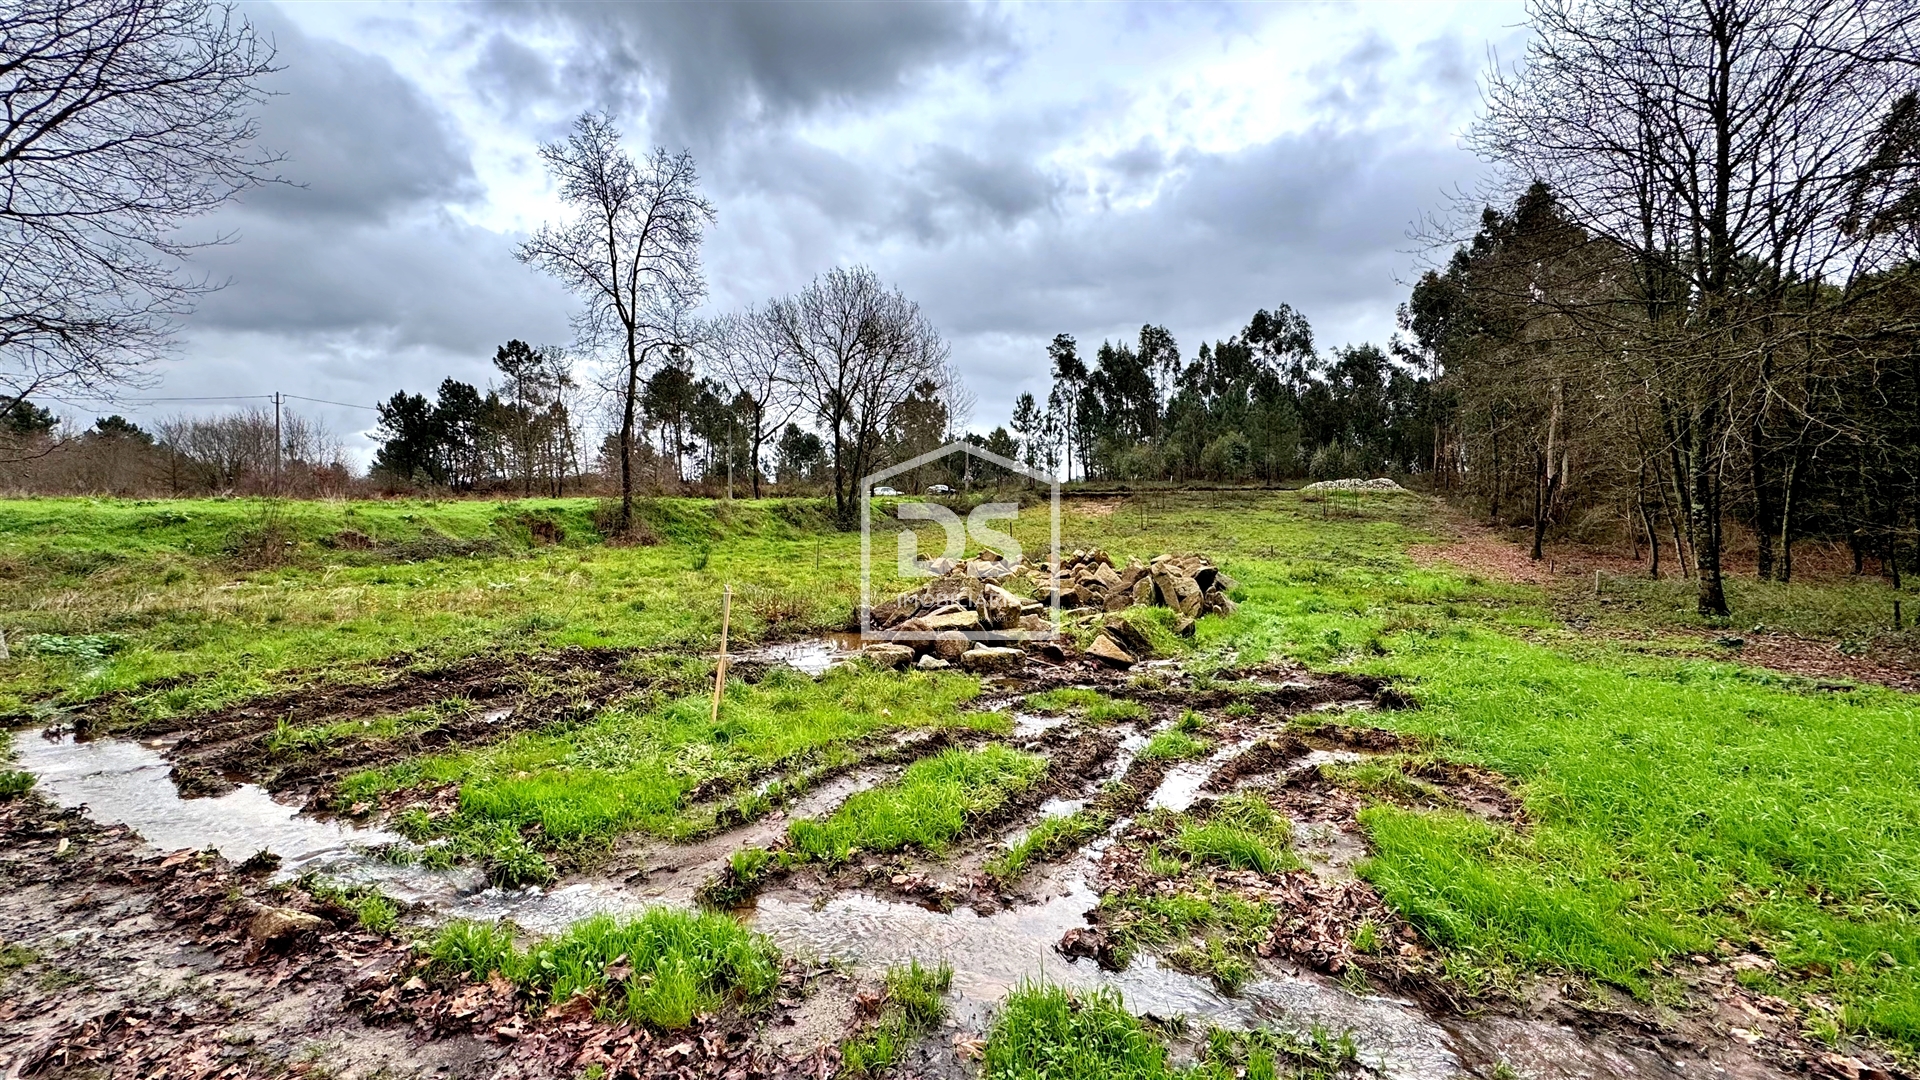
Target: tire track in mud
{"x": 214, "y": 751}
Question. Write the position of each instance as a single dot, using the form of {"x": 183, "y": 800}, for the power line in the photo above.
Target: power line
{"x": 324, "y": 401}
{"x": 230, "y": 397}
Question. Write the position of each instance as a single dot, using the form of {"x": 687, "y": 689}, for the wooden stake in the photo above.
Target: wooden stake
{"x": 720, "y": 669}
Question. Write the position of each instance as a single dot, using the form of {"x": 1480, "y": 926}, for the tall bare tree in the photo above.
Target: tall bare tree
{"x": 631, "y": 254}
{"x": 858, "y": 349}
{"x": 120, "y": 120}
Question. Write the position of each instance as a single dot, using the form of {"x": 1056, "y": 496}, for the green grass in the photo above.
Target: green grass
{"x": 14, "y": 783}
{"x": 740, "y": 880}
{"x": 661, "y": 968}
{"x": 1174, "y": 744}
{"x": 1671, "y": 803}
{"x": 371, "y": 909}
{"x": 146, "y": 598}
{"x": 928, "y": 808}
{"x": 632, "y": 766}
{"x": 1045, "y": 1032}
{"x": 913, "y": 1005}
{"x": 1051, "y": 837}
{"x": 1202, "y": 930}
{"x": 1242, "y": 833}
{"x": 1098, "y": 706}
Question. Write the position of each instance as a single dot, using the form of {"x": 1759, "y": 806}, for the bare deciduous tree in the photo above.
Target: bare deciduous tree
{"x": 631, "y": 253}
{"x": 119, "y": 121}
{"x": 858, "y": 349}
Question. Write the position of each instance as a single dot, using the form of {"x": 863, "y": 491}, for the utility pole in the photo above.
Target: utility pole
{"x": 277, "y": 399}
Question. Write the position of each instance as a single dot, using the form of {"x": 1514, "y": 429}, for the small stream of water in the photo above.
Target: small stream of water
{"x": 129, "y": 783}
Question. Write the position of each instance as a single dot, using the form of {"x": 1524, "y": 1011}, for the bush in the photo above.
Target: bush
{"x": 1229, "y": 457}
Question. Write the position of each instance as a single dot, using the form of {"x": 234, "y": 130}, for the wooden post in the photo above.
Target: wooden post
{"x": 720, "y": 669}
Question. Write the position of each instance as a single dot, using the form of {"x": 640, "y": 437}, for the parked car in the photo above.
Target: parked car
{"x": 884, "y": 490}
{"x": 939, "y": 489}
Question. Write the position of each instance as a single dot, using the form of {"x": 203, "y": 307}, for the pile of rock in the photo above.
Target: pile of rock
{"x": 1378, "y": 483}
{"x": 973, "y": 614}
{"x": 1189, "y": 584}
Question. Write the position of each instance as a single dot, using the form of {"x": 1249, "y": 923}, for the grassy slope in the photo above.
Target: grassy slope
{"x": 1675, "y": 803}
{"x": 156, "y": 582}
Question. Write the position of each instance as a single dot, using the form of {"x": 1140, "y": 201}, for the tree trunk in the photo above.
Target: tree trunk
{"x": 626, "y": 440}
{"x": 1703, "y": 522}
{"x": 1784, "y": 572}
{"x": 1540, "y": 481}
{"x": 1762, "y": 511}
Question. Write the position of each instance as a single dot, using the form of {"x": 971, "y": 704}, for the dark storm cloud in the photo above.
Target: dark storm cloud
{"x": 361, "y": 142}
{"x": 1316, "y": 219}
{"x": 721, "y": 64}
{"x": 997, "y": 220}
{"x": 359, "y": 244}
{"x": 511, "y": 75}
{"x": 950, "y": 189}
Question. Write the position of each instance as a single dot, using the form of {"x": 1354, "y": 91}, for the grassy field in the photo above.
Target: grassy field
{"x": 1676, "y": 806}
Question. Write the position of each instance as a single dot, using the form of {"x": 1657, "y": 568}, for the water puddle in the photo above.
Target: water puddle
{"x": 1026, "y": 724}
{"x": 1051, "y": 808}
{"x": 1181, "y": 786}
{"x": 991, "y": 954}
{"x": 128, "y": 783}
{"x": 813, "y": 656}
{"x": 1313, "y": 759}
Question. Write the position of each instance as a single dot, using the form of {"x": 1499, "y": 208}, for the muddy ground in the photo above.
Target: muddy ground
{"x": 121, "y": 961}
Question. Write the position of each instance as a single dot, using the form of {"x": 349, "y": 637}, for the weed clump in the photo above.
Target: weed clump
{"x": 1052, "y": 837}
{"x": 1243, "y": 833}
{"x": 1045, "y": 1031}
{"x": 913, "y": 1005}
{"x": 369, "y": 907}
{"x": 1098, "y": 706}
{"x": 15, "y": 783}
{"x": 739, "y": 880}
{"x": 661, "y": 968}
{"x": 1173, "y": 745}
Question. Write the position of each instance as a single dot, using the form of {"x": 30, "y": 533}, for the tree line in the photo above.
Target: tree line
{"x": 1264, "y": 404}
{"x": 852, "y": 358}
{"x": 1696, "y": 307}
{"x": 233, "y": 453}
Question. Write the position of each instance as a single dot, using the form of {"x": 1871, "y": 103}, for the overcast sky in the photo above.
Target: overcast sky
{"x": 1019, "y": 171}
